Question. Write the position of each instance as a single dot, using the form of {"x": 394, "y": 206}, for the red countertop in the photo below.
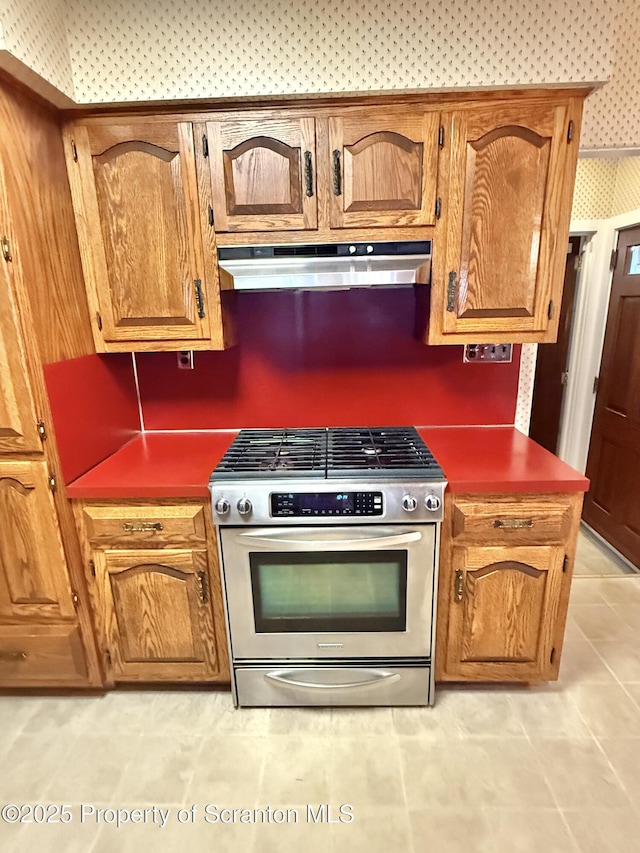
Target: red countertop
{"x": 474, "y": 459}
{"x": 499, "y": 459}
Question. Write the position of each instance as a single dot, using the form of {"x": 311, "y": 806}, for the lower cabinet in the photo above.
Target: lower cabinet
{"x": 505, "y": 575}
{"x": 156, "y": 591}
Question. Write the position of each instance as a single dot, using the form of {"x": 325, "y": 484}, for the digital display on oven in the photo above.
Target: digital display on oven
{"x": 300, "y": 504}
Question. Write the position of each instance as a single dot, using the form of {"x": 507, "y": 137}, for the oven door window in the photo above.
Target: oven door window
{"x": 332, "y": 591}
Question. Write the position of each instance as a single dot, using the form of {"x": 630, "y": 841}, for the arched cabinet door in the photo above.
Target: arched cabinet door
{"x": 34, "y": 583}
{"x": 263, "y": 174}
{"x": 135, "y": 191}
{"x": 383, "y": 169}
{"x": 155, "y": 615}
{"x": 503, "y": 611}
{"x": 509, "y": 174}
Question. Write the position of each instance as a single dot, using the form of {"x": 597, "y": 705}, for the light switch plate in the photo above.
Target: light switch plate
{"x": 487, "y": 353}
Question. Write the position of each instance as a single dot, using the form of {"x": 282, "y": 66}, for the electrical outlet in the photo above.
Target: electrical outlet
{"x": 487, "y": 353}
{"x": 185, "y": 360}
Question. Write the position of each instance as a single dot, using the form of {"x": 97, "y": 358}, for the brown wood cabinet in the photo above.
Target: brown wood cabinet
{"x": 505, "y": 573}
{"x": 34, "y": 583}
{"x": 507, "y": 176}
{"x": 383, "y": 169}
{"x": 155, "y": 587}
{"x": 18, "y": 416}
{"x": 147, "y": 250}
{"x": 263, "y": 174}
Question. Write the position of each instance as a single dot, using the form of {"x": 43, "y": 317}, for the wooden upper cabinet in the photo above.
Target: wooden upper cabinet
{"x": 156, "y": 615}
{"x": 34, "y": 583}
{"x": 263, "y": 175}
{"x": 18, "y": 418}
{"x": 502, "y": 618}
{"x": 383, "y": 168}
{"x": 500, "y": 254}
{"x": 140, "y": 226}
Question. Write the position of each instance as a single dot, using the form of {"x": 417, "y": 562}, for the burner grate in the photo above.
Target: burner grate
{"x": 267, "y": 453}
{"x": 383, "y": 452}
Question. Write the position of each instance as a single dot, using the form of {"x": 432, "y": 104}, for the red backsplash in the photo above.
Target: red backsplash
{"x": 94, "y": 407}
{"x": 344, "y": 358}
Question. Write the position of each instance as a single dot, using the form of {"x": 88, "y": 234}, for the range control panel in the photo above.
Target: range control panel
{"x": 309, "y": 504}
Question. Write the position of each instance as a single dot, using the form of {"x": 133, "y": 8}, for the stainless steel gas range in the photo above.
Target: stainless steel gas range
{"x": 329, "y": 551}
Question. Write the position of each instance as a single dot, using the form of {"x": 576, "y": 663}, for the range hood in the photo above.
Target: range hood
{"x": 325, "y": 266}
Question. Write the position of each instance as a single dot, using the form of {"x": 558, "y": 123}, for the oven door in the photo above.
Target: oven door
{"x": 330, "y": 592}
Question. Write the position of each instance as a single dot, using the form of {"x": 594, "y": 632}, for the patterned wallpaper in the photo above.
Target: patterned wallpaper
{"x": 612, "y": 114}
{"x": 217, "y": 48}
{"x": 35, "y": 32}
{"x": 605, "y": 187}
{"x": 127, "y": 50}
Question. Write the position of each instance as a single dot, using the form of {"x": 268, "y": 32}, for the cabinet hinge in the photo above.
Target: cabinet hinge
{"x": 438, "y": 208}
{"x": 53, "y": 483}
{"x": 74, "y": 151}
{"x": 570, "y": 131}
{"x": 614, "y": 260}
{"x": 552, "y": 656}
{"x": 596, "y": 384}
{"x": 211, "y": 219}
{"x": 107, "y": 656}
{"x": 6, "y": 249}
{"x": 441, "y": 136}
{"x": 42, "y": 430}
{"x": 99, "y": 320}
{"x": 197, "y": 284}
{"x": 92, "y": 568}
{"x": 565, "y": 563}
{"x": 550, "y": 309}
{"x": 205, "y": 145}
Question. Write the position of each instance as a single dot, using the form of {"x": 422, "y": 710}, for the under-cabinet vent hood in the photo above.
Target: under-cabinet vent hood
{"x": 326, "y": 266}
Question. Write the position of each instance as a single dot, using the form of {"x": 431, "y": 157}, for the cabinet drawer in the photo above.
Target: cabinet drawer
{"x": 41, "y": 655}
{"x": 145, "y": 526}
{"x": 497, "y": 521}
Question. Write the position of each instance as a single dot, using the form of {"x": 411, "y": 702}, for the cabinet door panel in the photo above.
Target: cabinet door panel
{"x": 157, "y": 615}
{"x": 509, "y": 173}
{"x": 142, "y": 243}
{"x": 503, "y": 612}
{"x": 18, "y": 419}
{"x": 263, "y": 174}
{"x": 384, "y": 170}
{"x": 34, "y": 584}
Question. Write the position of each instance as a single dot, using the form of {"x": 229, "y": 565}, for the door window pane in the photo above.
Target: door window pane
{"x": 634, "y": 262}
{"x": 329, "y": 592}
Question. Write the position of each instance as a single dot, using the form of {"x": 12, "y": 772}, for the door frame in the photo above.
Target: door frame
{"x": 585, "y": 352}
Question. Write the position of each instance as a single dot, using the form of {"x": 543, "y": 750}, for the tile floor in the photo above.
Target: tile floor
{"x": 503, "y": 770}
{"x": 594, "y": 559}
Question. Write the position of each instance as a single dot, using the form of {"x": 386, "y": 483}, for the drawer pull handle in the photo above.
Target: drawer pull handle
{"x": 459, "y": 584}
{"x": 12, "y": 657}
{"x": 142, "y": 526}
{"x": 513, "y": 523}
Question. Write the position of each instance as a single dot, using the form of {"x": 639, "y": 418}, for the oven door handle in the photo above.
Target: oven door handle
{"x": 366, "y": 543}
{"x": 378, "y": 676}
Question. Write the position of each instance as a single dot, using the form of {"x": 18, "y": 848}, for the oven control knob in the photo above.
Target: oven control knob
{"x": 222, "y": 506}
{"x": 409, "y": 503}
{"x": 244, "y": 506}
{"x": 432, "y": 503}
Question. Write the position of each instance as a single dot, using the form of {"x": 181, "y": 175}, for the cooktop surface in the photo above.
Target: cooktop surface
{"x": 336, "y": 452}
